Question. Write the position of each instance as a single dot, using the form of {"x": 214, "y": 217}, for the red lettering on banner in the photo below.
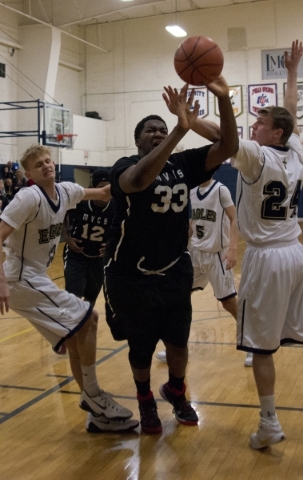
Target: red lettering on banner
{"x": 268, "y": 90}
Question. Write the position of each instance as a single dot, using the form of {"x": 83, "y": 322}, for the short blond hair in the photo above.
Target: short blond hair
{"x": 32, "y": 153}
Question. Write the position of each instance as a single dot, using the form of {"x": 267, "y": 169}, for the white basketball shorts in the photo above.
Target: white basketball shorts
{"x": 55, "y": 313}
{"x": 209, "y": 267}
{"x": 270, "y": 310}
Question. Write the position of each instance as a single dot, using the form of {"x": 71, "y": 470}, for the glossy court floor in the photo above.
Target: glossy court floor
{"x": 42, "y": 429}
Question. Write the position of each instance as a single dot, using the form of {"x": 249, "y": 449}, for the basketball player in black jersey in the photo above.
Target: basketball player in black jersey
{"x": 148, "y": 275}
{"x": 88, "y": 226}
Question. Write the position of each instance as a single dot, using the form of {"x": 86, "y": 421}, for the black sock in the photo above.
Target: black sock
{"x": 176, "y": 382}
{"x": 143, "y": 388}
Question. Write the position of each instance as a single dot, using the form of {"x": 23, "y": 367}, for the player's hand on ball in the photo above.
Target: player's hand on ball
{"x": 219, "y": 87}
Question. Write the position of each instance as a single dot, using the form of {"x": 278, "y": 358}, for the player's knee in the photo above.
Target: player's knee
{"x": 139, "y": 359}
{"x": 92, "y": 322}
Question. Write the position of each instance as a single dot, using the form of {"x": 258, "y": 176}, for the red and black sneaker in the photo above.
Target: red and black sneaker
{"x": 184, "y": 412}
{"x": 150, "y": 422}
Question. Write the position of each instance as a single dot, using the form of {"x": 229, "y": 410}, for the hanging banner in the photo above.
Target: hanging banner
{"x": 300, "y": 98}
{"x": 262, "y": 95}
{"x": 236, "y": 98}
{"x": 273, "y": 64}
{"x": 201, "y": 94}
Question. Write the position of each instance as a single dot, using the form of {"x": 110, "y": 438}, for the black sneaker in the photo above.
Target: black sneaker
{"x": 150, "y": 422}
{"x": 184, "y": 412}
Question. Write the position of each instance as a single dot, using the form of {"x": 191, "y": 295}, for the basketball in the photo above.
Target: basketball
{"x": 198, "y": 61}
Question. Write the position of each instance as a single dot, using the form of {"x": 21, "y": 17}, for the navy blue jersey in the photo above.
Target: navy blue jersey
{"x": 150, "y": 228}
{"x": 90, "y": 224}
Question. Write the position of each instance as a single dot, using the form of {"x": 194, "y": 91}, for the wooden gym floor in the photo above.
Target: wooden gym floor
{"x": 42, "y": 429}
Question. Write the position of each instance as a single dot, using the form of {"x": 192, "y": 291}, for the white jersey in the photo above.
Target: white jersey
{"x": 211, "y": 225}
{"x": 37, "y": 221}
{"x": 268, "y": 189}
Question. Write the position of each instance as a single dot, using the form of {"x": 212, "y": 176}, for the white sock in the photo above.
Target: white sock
{"x": 267, "y": 406}
{"x": 90, "y": 382}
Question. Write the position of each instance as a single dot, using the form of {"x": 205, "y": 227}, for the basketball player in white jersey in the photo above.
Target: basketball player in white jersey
{"x": 213, "y": 245}
{"x": 271, "y": 289}
{"x": 31, "y": 226}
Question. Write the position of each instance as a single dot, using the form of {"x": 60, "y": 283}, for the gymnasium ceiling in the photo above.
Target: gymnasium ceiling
{"x": 65, "y": 13}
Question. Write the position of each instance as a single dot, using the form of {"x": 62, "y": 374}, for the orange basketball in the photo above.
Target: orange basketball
{"x": 198, "y": 61}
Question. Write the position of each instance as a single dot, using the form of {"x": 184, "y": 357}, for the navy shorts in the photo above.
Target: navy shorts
{"x": 83, "y": 275}
{"x": 147, "y": 308}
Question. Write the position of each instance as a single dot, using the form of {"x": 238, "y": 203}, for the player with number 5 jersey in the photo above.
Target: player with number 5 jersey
{"x": 148, "y": 276}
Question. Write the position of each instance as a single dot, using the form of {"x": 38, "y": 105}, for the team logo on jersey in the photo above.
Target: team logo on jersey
{"x": 166, "y": 176}
{"x": 93, "y": 218}
{"x": 204, "y": 214}
{"x": 47, "y": 234}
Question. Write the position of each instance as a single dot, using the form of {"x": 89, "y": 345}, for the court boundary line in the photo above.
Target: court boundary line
{"x": 56, "y": 388}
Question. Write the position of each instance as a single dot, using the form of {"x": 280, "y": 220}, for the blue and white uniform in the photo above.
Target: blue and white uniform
{"x": 271, "y": 288}
{"x": 30, "y": 249}
{"x": 210, "y": 239}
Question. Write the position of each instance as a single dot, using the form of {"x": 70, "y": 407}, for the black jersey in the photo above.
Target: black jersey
{"x": 90, "y": 224}
{"x": 150, "y": 228}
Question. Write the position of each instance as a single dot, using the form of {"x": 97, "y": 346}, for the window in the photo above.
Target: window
{"x": 2, "y": 70}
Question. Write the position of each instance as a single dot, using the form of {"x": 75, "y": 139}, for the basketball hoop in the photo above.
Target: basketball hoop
{"x": 66, "y": 139}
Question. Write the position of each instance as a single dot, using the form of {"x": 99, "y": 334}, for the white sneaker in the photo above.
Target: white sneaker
{"x": 269, "y": 433}
{"x": 248, "y": 360}
{"x": 104, "y": 404}
{"x": 102, "y": 424}
{"x": 161, "y": 356}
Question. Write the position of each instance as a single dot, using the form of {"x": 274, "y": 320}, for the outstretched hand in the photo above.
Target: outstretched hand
{"x": 292, "y": 59}
{"x": 181, "y": 105}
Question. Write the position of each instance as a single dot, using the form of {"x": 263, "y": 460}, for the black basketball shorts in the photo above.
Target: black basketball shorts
{"x": 146, "y": 308}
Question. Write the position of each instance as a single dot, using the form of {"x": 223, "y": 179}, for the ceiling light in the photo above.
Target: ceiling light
{"x": 176, "y": 30}
{"x": 127, "y": 0}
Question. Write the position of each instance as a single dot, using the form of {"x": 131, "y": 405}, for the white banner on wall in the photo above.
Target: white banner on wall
{"x": 201, "y": 94}
{"x": 262, "y": 95}
{"x": 236, "y": 98}
{"x": 273, "y": 64}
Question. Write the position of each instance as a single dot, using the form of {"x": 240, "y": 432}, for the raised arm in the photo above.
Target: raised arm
{"x": 292, "y": 61}
{"x": 138, "y": 177}
{"x": 202, "y": 127}
{"x": 228, "y": 143}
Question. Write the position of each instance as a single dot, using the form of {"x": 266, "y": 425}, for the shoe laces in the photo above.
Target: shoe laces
{"x": 181, "y": 405}
{"x": 148, "y": 407}
{"x": 107, "y": 399}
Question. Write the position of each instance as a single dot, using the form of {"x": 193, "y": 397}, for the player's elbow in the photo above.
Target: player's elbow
{"x": 233, "y": 147}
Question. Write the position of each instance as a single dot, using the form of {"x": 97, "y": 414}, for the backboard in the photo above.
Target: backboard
{"x": 56, "y": 121}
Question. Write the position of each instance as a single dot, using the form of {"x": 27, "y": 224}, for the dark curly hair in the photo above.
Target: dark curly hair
{"x": 141, "y": 124}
